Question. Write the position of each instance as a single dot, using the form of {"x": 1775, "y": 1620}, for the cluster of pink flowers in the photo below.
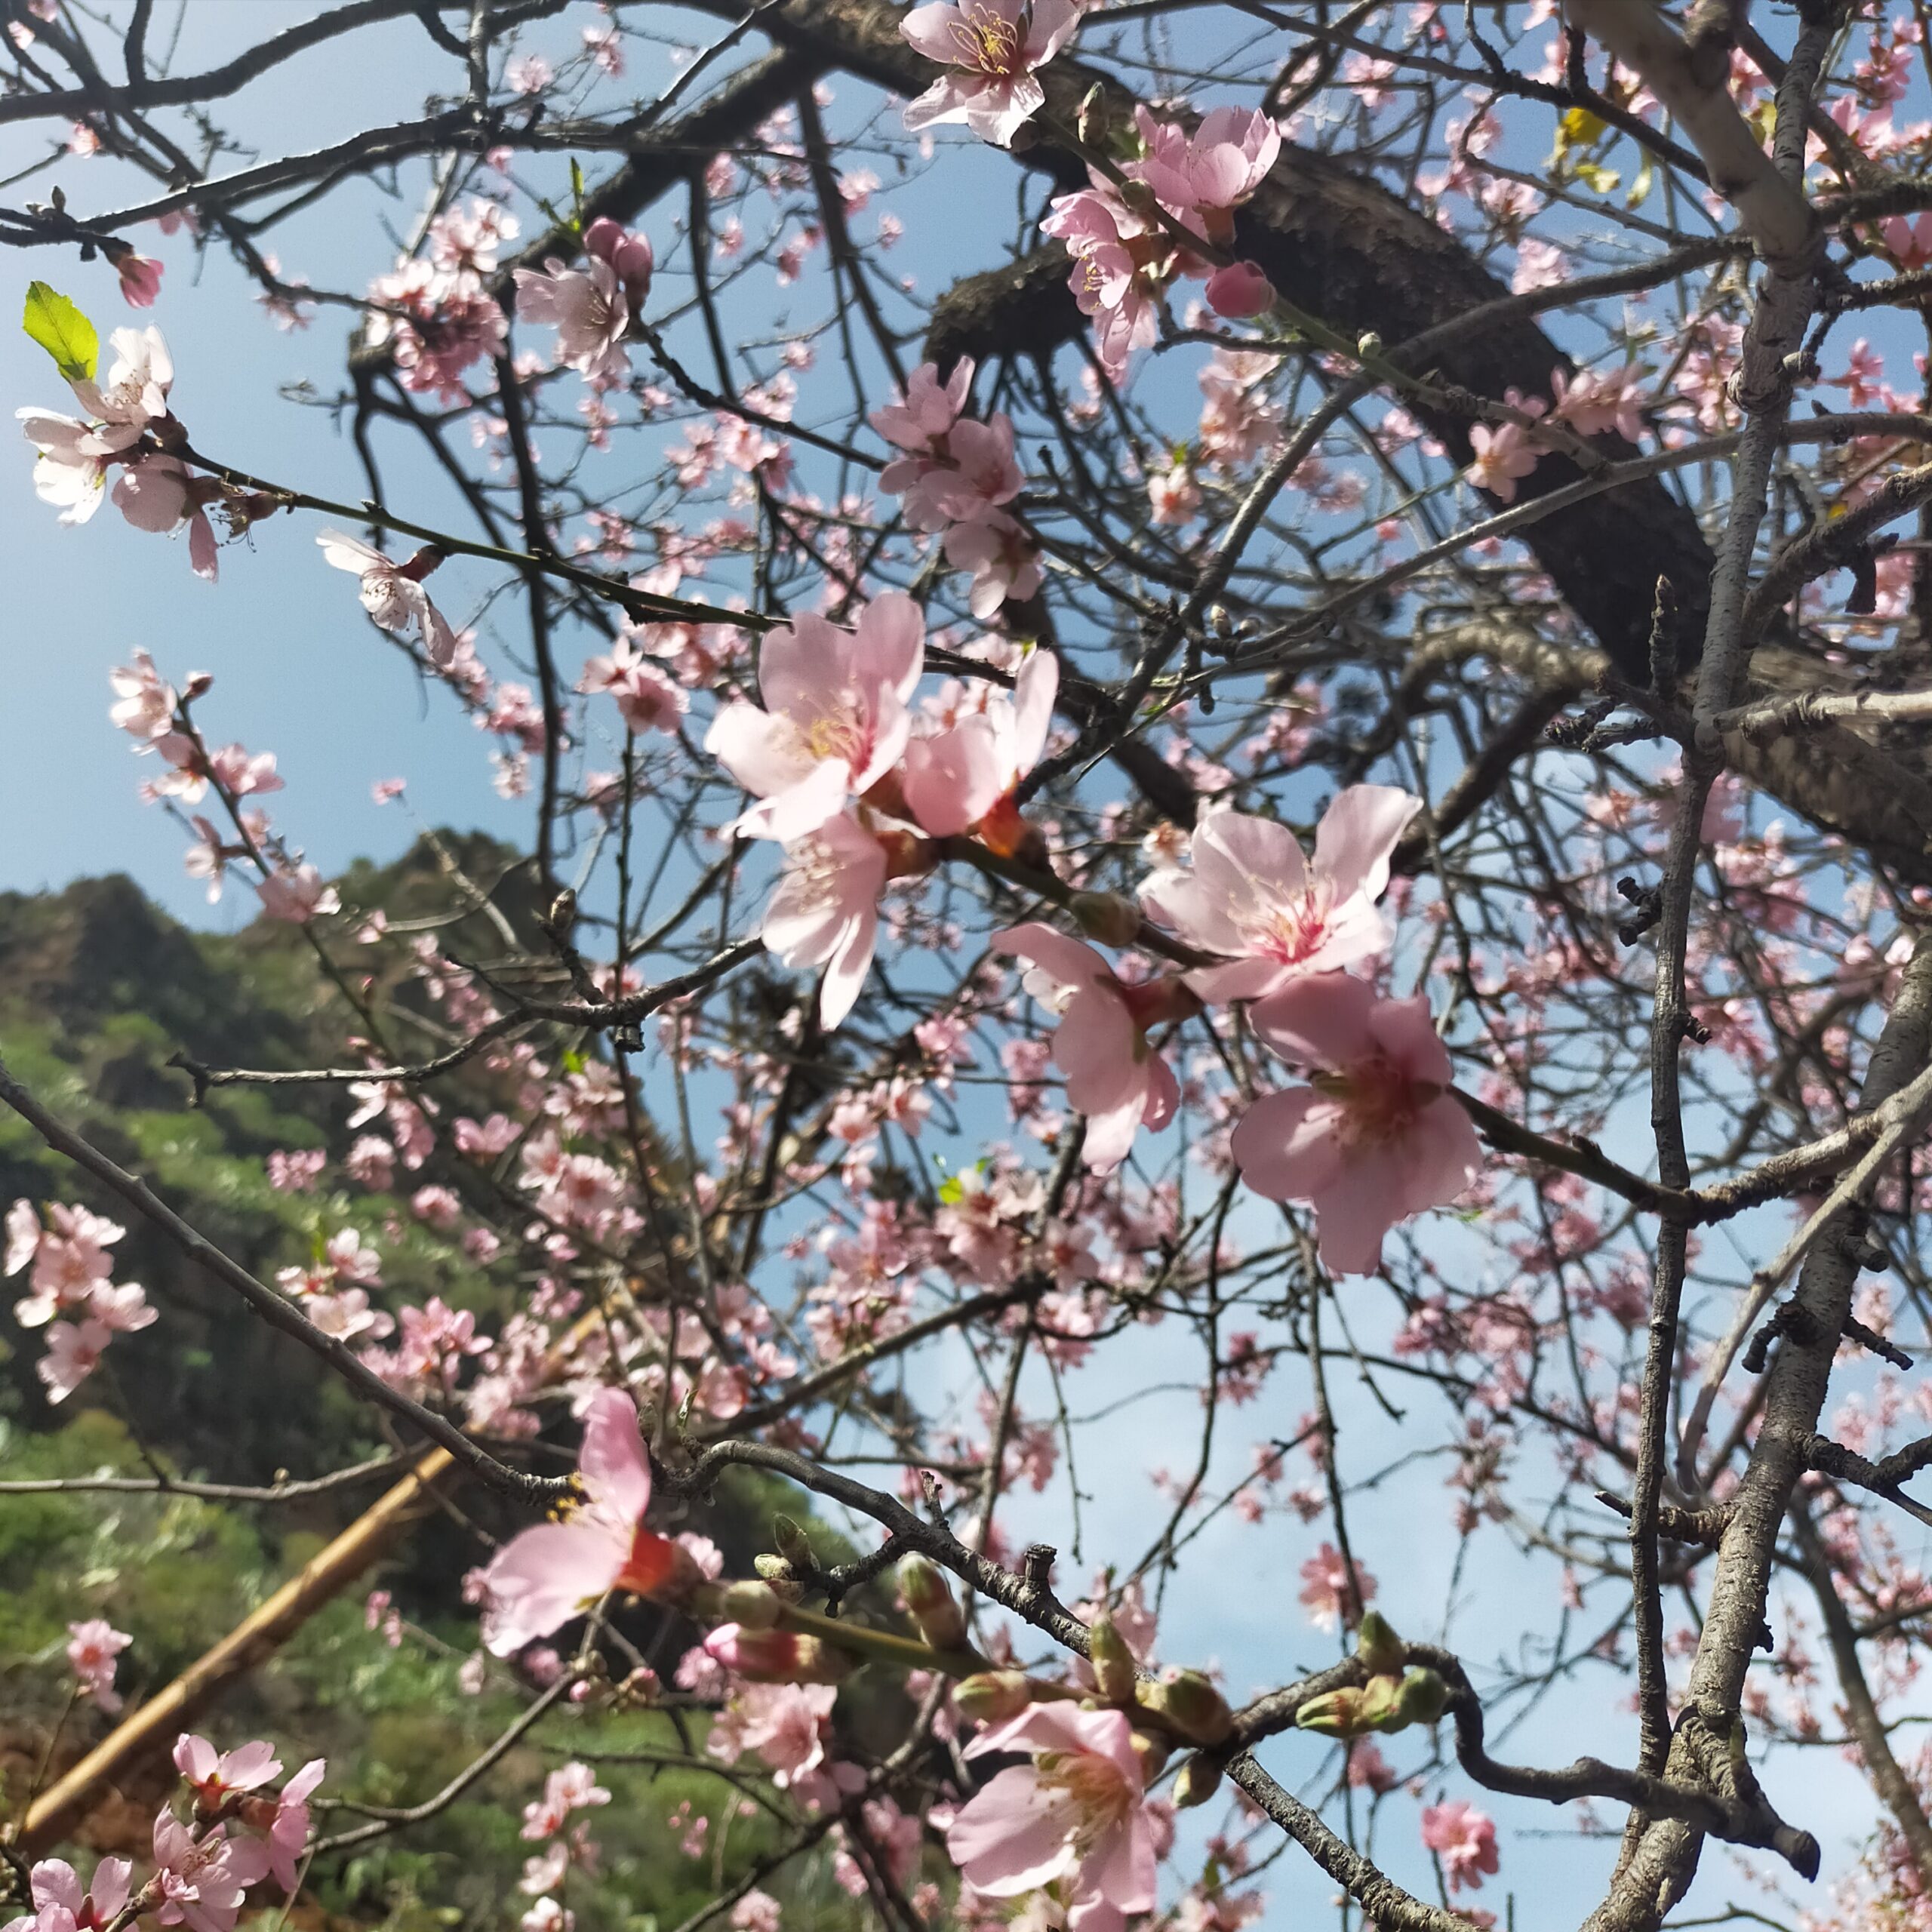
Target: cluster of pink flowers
{"x": 203, "y": 1865}
{"x": 436, "y": 314}
{"x": 72, "y": 1293}
{"x": 591, "y": 309}
{"x": 1125, "y": 255}
{"x": 853, "y": 796}
{"x": 155, "y": 715}
{"x": 955, "y": 476}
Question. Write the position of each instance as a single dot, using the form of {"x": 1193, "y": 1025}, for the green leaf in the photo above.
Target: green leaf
{"x": 60, "y": 329}
{"x": 952, "y": 1191}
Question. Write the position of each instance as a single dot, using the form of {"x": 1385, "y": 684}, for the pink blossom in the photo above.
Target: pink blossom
{"x": 1325, "y": 1593}
{"x": 957, "y": 776}
{"x": 1592, "y": 402}
{"x": 92, "y": 1647}
{"x": 288, "y": 1828}
{"x": 1251, "y": 894}
{"x": 213, "y": 1775}
{"x": 144, "y": 706}
{"x": 73, "y": 1352}
{"x": 646, "y": 699}
{"x": 1000, "y": 554}
{"x": 202, "y": 1881}
{"x": 1107, "y": 281}
{"x": 540, "y": 1579}
{"x": 1465, "y": 1840}
{"x": 161, "y": 494}
{"x": 1074, "y": 1816}
{"x": 392, "y": 592}
{"x": 138, "y": 380}
{"x": 1377, "y": 1137}
{"x": 629, "y": 255}
{"x": 140, "y": 279}
{"x": 921, "y": 420}
{"x": 995, "y": 45}
{"x": 62, "y": 1904}
{"x": 297, "y": 894}
{"x": 1214, "y": 170}
{"x": 1504, "y": 452}
{"x": 571, "y": 1787}
{"x": 835, "y": 720}
{"x": 1113, "y": 1075}
{"x": 588, "y": 310}
{"x": 1239, "y": 289}
{"x": 1908, "y": 241}
{"x": 824, "y": 910}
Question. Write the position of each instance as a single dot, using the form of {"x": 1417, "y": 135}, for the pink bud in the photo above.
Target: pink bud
{"x": 775, "y": 1657}
{"x": 629, "y": 254}
{"x": 140, "y": 279}
{"x": 1240, "y": 290}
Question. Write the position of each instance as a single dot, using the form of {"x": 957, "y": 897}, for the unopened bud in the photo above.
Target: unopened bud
{"x": 1113, "y": 1662}
{"x": 1191, "y": 1705}
{"x": 1107, "y": 917}
{"x": 1138, "y": 196}
{"x": 777, "y": 1656}
{"x": 1423, "y": 1698}
{"x": 1333, "y": 1714}
{"x": 1380, "y": 1706}
{"x": 199, "y": 684}
{"x": 777, "y": 1574}
{"x": 1196, "y": 1781}
{"x": 752, "y": 1603}
{"x": 992, "y": 1697}
{"x": 1377, "y": 1643}
{"x": 930, "y": 1601}
{"x": 1368, "y": 345}
{"x": 792, "y": 1543}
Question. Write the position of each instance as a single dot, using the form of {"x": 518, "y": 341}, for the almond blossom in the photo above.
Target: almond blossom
{"x": 835, "y": 720}
{"x": 588, "y": 310}
{"x": 62, "y": 1904}
{"x": 92, "y": 1647}
{"x": 1075, "y": 1818}
{"x": 995, "y": 45}
{"x": 214, "y": 1776}
{"x": 296, "y": 894}
{"x": 824, "y": 910}
{"x": 1239, "y": 291}
{"x": 1250, "y": 894}
{"x": 1376, "y": 1137}
{"x": 955, "y": 777}
{"x": 541, "y": 1578}
{"x": 921, "y": 421}
{"x": 288, "y": 1828}
{"x": 1465, "y": 1840}
{"x": 646, "y": 700}
{"x": 1211, "y": 172}
{"x": 1112, "y": 280}
{"x": 629, "y": 255}
{"x": 161, "y": 494}
{"x": 1113, "y": 1075}
{"x": 201, "y": 1881}
{"x": 1505, "y": 452}
{"x": 392, "y": 592}
{"x": 73, "y": 457}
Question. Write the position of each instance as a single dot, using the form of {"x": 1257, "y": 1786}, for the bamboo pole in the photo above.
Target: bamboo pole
{"x": 259, "y": 1634}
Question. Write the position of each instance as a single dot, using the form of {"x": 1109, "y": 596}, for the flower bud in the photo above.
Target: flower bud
{"x": 1380, "y": 1706}
{"x": 992, "y": 1697}
{"x": 629, "y": 256}
{"x": 1197, "y": 1781}
{"x": 1191, "y": 1705}
{"x": 1006, "y": 831}
{"x": 792, "y": 1543}
{"x": 751, "y": 1603}
{"x": 931, "y": 1602}
{"x": 1369, "y": 345}
{"x": 777, "y": 1656}
{"x": 1152, "y": 1750}
{"x": 1138, "y": 196}
{"x": 777, "y": 1574}
{"x": 1333, "y": 1714}
{"x": 1377, "y": 1643}
{"x": 1107, "y": 917}
{"x": 1423, "y": 1697}
{"x": 1240, "y": 290}
{"x": 1113, "y": 1662}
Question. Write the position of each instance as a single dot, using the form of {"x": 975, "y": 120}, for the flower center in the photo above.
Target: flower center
{"x": 1381, "y": 1102}
{"x": 987, "y": 41}
{"x": 1290, "y": 933}
{"x": 1100, "y": 1795}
